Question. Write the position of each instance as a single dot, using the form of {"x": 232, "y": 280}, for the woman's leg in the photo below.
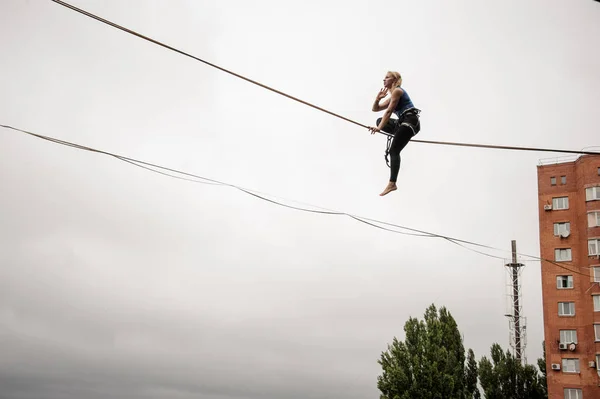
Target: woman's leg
{"x": 405, "y": 131}
{"x": 401, "y": 139}
{"x": 389, "y": 126}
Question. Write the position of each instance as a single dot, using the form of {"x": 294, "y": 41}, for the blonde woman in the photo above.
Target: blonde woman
{"x": 403, "y": 129}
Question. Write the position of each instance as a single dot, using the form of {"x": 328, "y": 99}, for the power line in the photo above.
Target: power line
{"x": 490, "y": 146}
{"x": 204, "y": 180}
{"x": 324, "y": 211}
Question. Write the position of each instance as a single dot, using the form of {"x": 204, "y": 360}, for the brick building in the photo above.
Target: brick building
{"x": 569, "y": 222}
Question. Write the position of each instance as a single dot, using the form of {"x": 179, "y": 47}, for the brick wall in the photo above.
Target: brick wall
{"x": 579, "y": 175}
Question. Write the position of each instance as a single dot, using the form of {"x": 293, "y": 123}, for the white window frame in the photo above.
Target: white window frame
{"x": 566, "y": 309}
{"x": 568, "y": 336}
{"x": 563, "y": 180}
{"x": 596, "y": 301}
{"x": 597, "y": 332}
{"x": 594, "y": 246}
{"x": 596, "y": 274}
{"x": 560, "y": 227}
{"x": 573, "y": 393}
{"x": 561, "y": 279}
{"x": 563, "y": 255}
{"x": 553, "y": 181}
{"x": 560, "y": 203}
{"x": 570, "y": 365}
{"x": 592, "y": 193}
{"x": 593, "y": 219}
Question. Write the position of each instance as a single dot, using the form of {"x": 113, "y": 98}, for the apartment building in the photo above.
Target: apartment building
{"x": 569, "y": 222}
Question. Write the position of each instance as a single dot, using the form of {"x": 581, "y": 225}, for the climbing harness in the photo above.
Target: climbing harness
{"x": 399, "y": 122}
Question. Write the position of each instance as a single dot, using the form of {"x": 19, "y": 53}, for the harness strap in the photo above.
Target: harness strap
{"x": 415, "y": 111}
{"x": 387, "y": 150}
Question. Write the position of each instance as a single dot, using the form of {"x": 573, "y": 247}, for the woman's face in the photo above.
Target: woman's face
{"x": 388, "y": 81}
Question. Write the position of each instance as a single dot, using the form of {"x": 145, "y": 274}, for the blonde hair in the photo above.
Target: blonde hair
{"x": 398, "y": 78}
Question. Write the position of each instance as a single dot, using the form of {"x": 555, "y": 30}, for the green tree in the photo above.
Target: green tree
{"x": 429, "y": 363}
{"x": 504, "y": 377}
{"x": 542, "y": 366}
{"x": 471, "y": 390}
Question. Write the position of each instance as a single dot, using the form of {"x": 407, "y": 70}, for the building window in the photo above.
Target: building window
{"x": 562, "y": 254}
{"x": 564, "y": 282}
{"x": 563, "y": 180}
{"x": 594, "y": 246}
{"x": 597, "y": 362}
{"x": 567, "y": 309}
{"x": 598, "y": 171}
{"x": 593, "y": 219}
{"x": 553, "y": 181}
{"x": 568, "y": 336}
{"x": 573, "y": 393}
{"x": 597, "y": 332}
{"x": 596, "y": 299}
{"x": 570, "y": 365}
{"x": 592, "y": 193}
{"x": 596, "y": 271}
{"x": 562, "y": 229}
{"x": 560, "y": 203}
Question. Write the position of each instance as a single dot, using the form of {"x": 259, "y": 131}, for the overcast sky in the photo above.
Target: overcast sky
{"x": 118, "y": 282}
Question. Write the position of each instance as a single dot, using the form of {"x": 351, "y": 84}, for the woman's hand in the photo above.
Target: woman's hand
{"x": 374, "y": 130}
{"x": 382, "y": 93}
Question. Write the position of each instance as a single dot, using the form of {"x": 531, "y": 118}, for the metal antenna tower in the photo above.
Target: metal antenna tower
{"x": 517, "y": 324}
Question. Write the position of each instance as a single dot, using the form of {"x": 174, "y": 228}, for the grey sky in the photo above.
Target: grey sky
{"x": 117, "y": 282}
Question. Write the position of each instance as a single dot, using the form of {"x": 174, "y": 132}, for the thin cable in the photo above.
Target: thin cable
{"x": 166, "y": 174}
{"x": 393, "y": 231}
{"x": 489, "y": 146}
{"x": 562, "y": 266}
{"x": 256, "y": 194}
{"x": 248, "y": 191}
{"x": 205, "y": 180}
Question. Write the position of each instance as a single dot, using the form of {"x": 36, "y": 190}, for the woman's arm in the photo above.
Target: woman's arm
{"x": 392, "y": 102}
{"x": 380, "y": 107}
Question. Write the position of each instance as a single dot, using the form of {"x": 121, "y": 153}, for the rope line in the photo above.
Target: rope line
{"x": 79, "y": 10}
{"x": 132, "y": 32}
{"x": 324, "y": 211}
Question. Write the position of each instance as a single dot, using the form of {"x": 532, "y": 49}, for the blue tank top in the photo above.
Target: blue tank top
{"x": 404, "y": 103}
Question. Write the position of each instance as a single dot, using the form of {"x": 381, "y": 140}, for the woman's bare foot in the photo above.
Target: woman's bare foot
{"x": 390, "y": 187}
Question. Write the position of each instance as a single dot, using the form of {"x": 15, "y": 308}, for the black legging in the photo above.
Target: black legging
{"x": 402, "y": 135}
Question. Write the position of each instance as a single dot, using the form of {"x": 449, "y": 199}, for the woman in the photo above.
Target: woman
{"x": 403, "y": 129}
